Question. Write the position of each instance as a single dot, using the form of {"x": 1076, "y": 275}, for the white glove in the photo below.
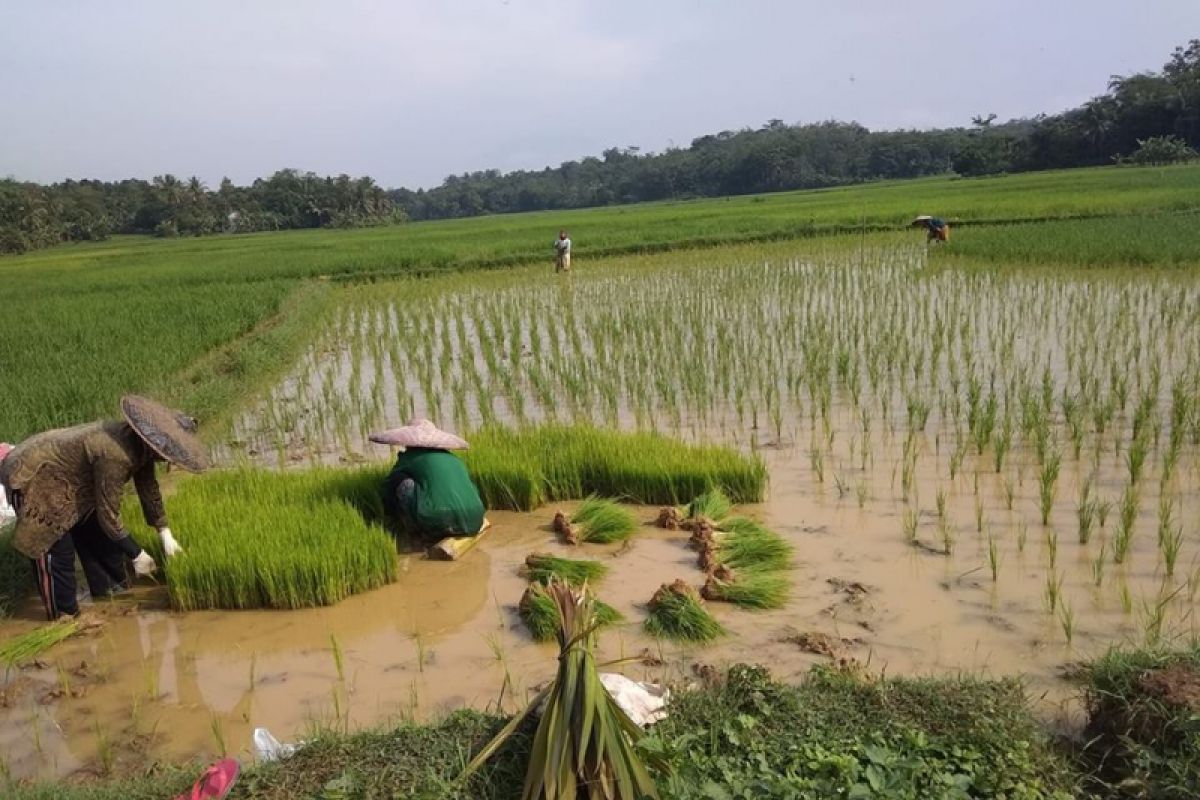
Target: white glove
{"x": 144, "y": 564}
{"x": 169, "y": 545}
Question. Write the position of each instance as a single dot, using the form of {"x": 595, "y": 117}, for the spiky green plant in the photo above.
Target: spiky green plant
{"x": 603, "y": 521}
{"x": 28, "y": 646}
{"x": 678, "y": 613}
{"x": 585, "y": 745}
{"x": 541, "y": 615}
{"x": 543, "y": 567}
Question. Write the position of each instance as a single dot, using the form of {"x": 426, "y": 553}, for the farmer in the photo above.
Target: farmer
{"x": 428, "y": 490}
{"x": 66, "y": 487}
{"x": 562, "y": 253}
{"x": 937, "y": 230}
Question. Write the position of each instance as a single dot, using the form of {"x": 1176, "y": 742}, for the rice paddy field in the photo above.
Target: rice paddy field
{"x": 978, "y": 458}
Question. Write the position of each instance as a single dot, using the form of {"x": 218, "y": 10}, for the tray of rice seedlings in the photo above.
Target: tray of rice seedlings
{"x": 678, "y": 613}
{"x": 28, "y": 646}
{"x": 598, "y": 521}
{"x": 543, "y": 567}
{"x": 264, "y": 539}
{"x": 585, "y": 745}
{"x": 540, "y": 614}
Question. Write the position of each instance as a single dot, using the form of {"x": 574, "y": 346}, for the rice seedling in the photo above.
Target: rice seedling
{"x": 748, "y": 589}
{"x": 1126, "y": 599}
{"x": 946, "y": 533}
{"x": 862, "y": 493}
{"x": 1066, "y": 617}
{"x": 1103, "y": 507}
{"x": 339, "y": 661}
{"x": 259, "y": 539}
{"x": 1170, "y": 535}
{"x": 749, "y": 546}
{"x": 583, "y": 739}
{"x": 940, "y": 502}
{"x": 1046, "y": 483}
{"x": 1052, "y": 592}
{"x": 543, "y": 567}
{"x": 909, "y": 521}
{"x": 104, "y": 748}
{"x": 712, "y": 505}
{"x": 216, "y": 727}
{"x": 1123, "y": 537}
{"x": 599, "y": 521}
{"x": 540, "y": 613}
{"x": 993, "y": 557}
{"x": 1052, "y": 548}
{"x": 1022, "y": 536}
{"x": 27, "y": 646}
{"x": 677, "y": 612}
{"x": 1085, "y": 512}
{"x": 1098, "y": 565}
{"x": 978, "y": 514}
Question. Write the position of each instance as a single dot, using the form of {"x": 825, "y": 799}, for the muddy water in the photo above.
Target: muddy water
{"x": 151, "y": 684}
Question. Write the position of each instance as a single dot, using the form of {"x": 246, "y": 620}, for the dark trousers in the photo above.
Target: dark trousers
{"x": 104, "y": 567}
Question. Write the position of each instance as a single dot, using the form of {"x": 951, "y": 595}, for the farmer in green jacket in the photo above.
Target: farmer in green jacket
{"x": 66, "y": 487}
{"x": 428, "y": 490}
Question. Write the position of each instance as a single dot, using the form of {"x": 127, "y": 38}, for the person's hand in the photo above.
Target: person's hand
{"x": 169, "y": 545}
{"x": 144, "y": 564}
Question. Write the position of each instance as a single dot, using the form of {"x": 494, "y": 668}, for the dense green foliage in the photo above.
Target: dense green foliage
{"x": 16, "y": 576}
{"x": 33, "y": 216}
{"x": 523, "y": 469}
{"x": 203, "y": 322}
{"x": 1143, "y": 732}
{"x": 257, "y": 538}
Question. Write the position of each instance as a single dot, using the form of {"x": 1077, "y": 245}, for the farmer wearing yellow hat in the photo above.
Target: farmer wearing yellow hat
{"x": 428, "y": 490}
{"x": 66, "y": 486}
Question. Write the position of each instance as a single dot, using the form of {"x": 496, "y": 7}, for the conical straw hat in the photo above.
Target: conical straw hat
{"x": 168, "y": 433}
{"x": 419, "y": 433}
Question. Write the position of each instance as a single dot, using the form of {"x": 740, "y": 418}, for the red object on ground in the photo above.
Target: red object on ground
{"x": 216, "y": 781}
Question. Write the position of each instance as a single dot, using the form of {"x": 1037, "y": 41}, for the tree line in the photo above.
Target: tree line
{"x": 1147, "y": 117}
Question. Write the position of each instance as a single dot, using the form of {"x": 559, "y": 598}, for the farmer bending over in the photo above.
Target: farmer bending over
{"x": 66, "y": 487}
{"x": 936, "y": 228}
{"x": 428, "y": 490}
{"x": 562, "y": 253}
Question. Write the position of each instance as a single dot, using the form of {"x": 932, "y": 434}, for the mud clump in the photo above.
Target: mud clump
{"x": 707, "y": 560}
{"x": 677, "y": 587}
{"x": 1177, "y": 687}
{"x": 563, "y": 527}
{"x": 703, "y": 534}
{"x": 669, "y": 519}
{"x": 714, "y": 588}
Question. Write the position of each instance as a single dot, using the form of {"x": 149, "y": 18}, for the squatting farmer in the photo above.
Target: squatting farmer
{"x": 562, "y": 253}
{"x": 936, "y": 228}
{"x": 428, "y": 491}
{"x": 66, "y": 486}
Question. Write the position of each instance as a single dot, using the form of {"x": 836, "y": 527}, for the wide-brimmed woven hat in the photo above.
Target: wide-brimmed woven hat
{"x": 419, "y": 433}
{"x": 168, "y": 433}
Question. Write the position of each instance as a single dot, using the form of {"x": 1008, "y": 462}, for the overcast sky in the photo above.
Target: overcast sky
{"x": 408, "y": 92}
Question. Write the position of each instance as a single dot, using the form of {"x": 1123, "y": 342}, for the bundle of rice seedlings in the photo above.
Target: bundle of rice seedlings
{"x": 713, "y": 505}
{"x": 603, "y": 521}
{"x": 585, "y": 745}
{"x": 749, "y": 545}
{"x": 540, "y": 614}
{"x": 747, "y": 589}
{"x": 678, "y": 613}
{"x": 542, "y": 567}
{"x": 29, "y": 646}
{"x": 563, "y": 527}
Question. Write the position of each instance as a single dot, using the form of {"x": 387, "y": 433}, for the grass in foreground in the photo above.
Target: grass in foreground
{"x": 263, "y": 539}
{"x": 836, "y": 734}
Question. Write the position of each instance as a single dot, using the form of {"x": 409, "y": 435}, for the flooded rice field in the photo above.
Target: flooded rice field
{"x": 989, "y": 471}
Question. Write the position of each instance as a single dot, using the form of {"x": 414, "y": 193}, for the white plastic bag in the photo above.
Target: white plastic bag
{"x": 645, "y": 703}
{"x": 268, "y": 748}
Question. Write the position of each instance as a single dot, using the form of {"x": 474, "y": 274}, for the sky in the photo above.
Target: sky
{"x": 409, "y": 92}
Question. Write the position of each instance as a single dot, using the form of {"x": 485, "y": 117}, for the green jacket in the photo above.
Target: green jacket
{"x": 444, "y": 501}
{"x": 66, "y": 474}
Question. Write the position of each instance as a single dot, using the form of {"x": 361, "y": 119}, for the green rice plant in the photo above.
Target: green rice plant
{"x": 1052, "y": 592}
{"x": 262, "y": 539}
{"x": 941, "y": 503}
{"x": 1135, "y": 458}
{"x": 1098, "y": 565}
{"x": 978, "y": 514}
{"x": 862, "y": 493}
{"x": 1170, "y": 535}
{"x": 583, "y": 740}
{"x": 909, "y": 522}
{"x": 816, "y": 460}
{"x": 946, "y": 533}
{"x": 993, "y": 557}
{"x": 1103, "y": 507}
{"x": 1085, "y": 512}
{"x": 750, "y": 546}
{"x": 677, "y": 613}
{"x": 1066, "y": 617}
{"x": 1047, "y": 479}
{"x": 1022, "y": 537}
{"x": 1123, "y": 537}
{"x": 602, "y": 521}
{"x": 543, "y": 567}
{"x": 523, "y": 469}
{"x": 1052, "y": 548}
{"x": 712, "y": 505}
{"x": 27, "y": 646}
{"x": 749, "y": 589}
{"x": 540, "y": 613}
{"x": 339, "y": 660}
{"x": 104, "y": 748}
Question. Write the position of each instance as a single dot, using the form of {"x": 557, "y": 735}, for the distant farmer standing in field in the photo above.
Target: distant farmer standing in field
{"x": 66, "y": 487}
{"x": 937, "y": 229}
{"x": 428, "y": 490}
{"x": 562, "y": 253}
